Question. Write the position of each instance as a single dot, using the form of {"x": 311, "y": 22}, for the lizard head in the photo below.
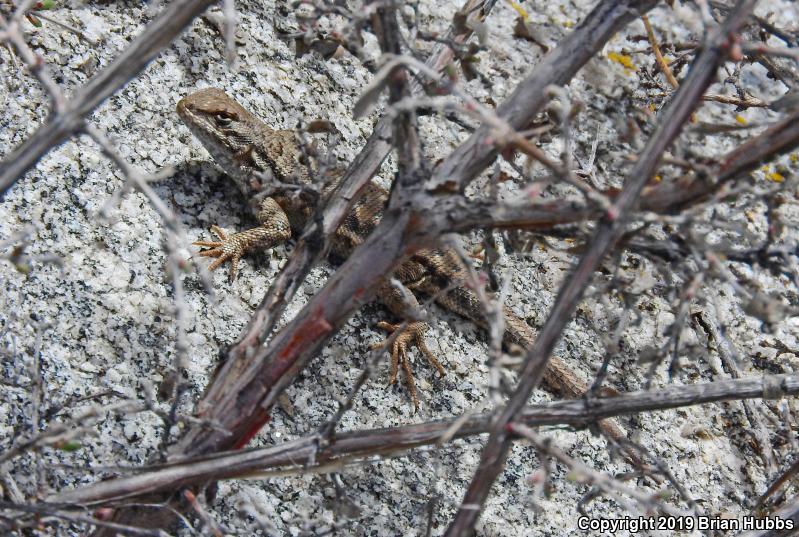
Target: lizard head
{"x": 224, "y": 127}
{"x": 240, "y": 142}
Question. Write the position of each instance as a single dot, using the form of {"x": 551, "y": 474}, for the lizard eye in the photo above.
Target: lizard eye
{"x": 223, "y": 120}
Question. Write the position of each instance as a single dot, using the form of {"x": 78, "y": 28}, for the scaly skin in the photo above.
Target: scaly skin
{"x": 242, "y": 144}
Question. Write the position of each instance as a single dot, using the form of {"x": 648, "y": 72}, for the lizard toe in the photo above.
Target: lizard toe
{"x": 220, "y": 259}
{"x": 216, "y": 250}
{"x": 219, "y": 232}
{"x": 207, "y": 244}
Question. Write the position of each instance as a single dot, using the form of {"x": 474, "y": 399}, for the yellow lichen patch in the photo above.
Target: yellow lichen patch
{"x": 567, "y": 23}
{"x": 740, "y": 119}
{"x": 777, "y": 177}
{"x": 622, "y": 59}
{"x": 520, "y": 10}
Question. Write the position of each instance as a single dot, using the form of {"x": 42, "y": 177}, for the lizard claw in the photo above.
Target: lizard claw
{"x": 225, "y": 249}
{"x": 411, "y": 336}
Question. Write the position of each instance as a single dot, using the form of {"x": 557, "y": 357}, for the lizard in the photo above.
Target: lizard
{"x": 258, "y": 158}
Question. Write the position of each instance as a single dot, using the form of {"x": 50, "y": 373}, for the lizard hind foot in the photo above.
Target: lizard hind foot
{"x": 412, "y": 335}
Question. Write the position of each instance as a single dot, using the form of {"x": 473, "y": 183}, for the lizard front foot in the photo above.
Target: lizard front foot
{"x": 411, "y": 336}
{"x": 225, "y": 249}
{"x": 232, "y": 248}
{"x": 273, "y": 230}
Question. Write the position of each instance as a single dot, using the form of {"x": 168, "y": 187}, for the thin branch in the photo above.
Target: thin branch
{"x": 661, "y": 61}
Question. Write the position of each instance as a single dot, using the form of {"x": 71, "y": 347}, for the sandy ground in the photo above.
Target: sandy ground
{"x": 101, "y": 319}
